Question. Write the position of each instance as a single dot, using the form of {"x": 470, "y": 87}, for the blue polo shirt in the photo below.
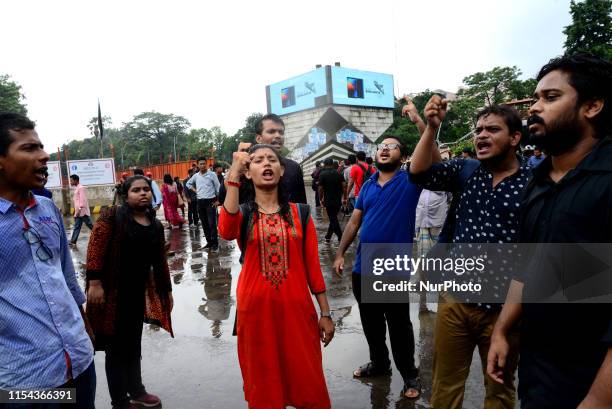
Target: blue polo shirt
{"x": 389, "y": 211}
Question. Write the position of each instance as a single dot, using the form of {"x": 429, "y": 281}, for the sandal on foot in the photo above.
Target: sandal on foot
{"x": 370, "y": 370}
{"x": 413, "y": 384}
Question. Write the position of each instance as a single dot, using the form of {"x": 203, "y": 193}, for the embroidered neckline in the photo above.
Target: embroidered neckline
{"x": 273, "y": 248}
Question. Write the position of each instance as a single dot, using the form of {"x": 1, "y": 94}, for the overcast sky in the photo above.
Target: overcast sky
{"x": 210, "y": 61}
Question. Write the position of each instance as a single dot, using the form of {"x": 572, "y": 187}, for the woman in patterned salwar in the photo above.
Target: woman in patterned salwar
{"x": 128, "y": 282}
{"x": 277, "y": 325}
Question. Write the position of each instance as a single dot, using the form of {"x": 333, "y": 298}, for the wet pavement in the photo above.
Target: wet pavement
{"x": 198, "y": 369}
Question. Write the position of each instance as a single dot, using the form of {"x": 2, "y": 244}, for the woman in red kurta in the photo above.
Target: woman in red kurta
{"x": 279, "y": 331}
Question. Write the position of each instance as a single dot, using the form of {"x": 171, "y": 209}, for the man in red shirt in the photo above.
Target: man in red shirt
{"x": 359, "y": 172}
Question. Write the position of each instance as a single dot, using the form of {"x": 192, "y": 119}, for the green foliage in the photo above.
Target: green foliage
{"x": 456, "y": 149}
{"x": 591, "y": 28}
{"x": 496, "y": 86}
{"x": 499, "y": 85}
{"x": 11, "y": 99}
{"x": 248, "y": 132}
{"x": 149, "y": 137}
{"x": 402, "y": 127}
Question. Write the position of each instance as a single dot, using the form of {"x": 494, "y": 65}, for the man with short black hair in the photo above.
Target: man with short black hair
{"x": 385, "y": 212}
{"x": 360, "y": 172}
{"x": 467, "y": 153}
{"x": 81, "y": 209}
{"x": 43, "y": 340}
{"x": 485, "y": 209}
{"x": 537, "y": 157}
{"x": 331, "y": 191}
{"x": 206, "y": 185}
{"x": 271, "y": 130}
{"x": 192, "y": 202}
{"x": 566, "y": 349}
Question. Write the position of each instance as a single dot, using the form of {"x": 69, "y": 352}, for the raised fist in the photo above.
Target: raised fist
{"x": 435, "y": 111}
{"x": 240, "y": 162}
{"x": 410, "y": 110}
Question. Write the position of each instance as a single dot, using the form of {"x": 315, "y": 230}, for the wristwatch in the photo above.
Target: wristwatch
{"x": 327, "y": 314}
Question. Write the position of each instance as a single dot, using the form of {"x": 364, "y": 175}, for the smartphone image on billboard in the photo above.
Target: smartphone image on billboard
{"x": 288, "y": 97}
{"x": 354, "y": 87}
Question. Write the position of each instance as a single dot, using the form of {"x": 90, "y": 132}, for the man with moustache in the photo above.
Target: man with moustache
{"x": 485, "y": 210}
{"x": 270, "y": 129}
{"x": 385, "y": 211}
{"x": 43, "y": 341}
{"x": 566, "y": 349}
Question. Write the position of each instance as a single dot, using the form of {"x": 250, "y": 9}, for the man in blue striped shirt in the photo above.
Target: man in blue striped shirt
{"x": 43, "y": 341}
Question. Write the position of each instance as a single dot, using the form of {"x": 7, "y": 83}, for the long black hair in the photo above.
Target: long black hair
{"x": 124, "y": 212}
{"x": 283, "y": 197}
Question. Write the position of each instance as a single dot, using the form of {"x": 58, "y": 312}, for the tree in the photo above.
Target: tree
{"x": 491, "y": 87}
{"x": 92, "y": 125}
{"x": 402, "y": 127}
{"x": 591, "y": 28}
{"x": 248, "y": 132}
{"x": 11, "y": 99}
{"x": 161, "y": 134}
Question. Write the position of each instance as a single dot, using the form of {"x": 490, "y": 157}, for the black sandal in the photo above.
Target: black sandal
{"x": 415, "y": 384}
{"x": 369, "y": 370}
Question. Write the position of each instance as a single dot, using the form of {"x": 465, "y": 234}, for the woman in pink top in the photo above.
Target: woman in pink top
{"x": 81, "y": 209}
{"x": 170, "y": 200}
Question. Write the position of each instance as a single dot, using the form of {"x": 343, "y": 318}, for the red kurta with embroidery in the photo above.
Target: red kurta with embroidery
{"x": 279, "y": 347}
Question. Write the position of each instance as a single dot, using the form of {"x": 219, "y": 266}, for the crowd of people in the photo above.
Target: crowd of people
{"x": 562, "y": 193}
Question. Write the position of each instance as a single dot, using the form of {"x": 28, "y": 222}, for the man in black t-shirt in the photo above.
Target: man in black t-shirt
{"x": 331, "y": 191}
{"x": 566, "y": 348}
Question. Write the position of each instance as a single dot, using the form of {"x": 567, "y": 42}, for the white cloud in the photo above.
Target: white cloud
{"x": 210, "y": 61}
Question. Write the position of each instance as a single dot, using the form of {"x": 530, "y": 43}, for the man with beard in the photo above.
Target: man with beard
{"x": 566, "y": 349}
{"x": 43, "y": 340}
{"x": 271, "y": 130}
{"x": 385, "y": 211}
{"x": 485, "y": 210}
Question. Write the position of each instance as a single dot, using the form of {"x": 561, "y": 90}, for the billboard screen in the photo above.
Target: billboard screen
{"x": 93, "y": 171}
{"x": 362, "y": 88}
{"x": 55, "y": 175}
{"x": 297, "y": 93}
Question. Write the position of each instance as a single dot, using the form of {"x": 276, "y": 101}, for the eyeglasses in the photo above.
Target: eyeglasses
{"x": 390, "y": 146}
{"x": 42, "y": 252}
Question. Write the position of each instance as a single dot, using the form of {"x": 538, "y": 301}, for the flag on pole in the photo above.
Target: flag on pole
{"x": 100, "y": 127}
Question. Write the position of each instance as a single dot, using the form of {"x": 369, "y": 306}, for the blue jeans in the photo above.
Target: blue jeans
{"x": 85, "y": 385}
{"x": 78, "y": 222}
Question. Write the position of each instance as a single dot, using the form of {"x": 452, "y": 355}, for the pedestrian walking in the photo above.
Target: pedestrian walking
{"x": 82, "y": 214}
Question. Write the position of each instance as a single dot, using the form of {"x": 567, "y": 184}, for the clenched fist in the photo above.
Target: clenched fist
{"x": 240, "y": 163}
{"x": 435, "y": 111}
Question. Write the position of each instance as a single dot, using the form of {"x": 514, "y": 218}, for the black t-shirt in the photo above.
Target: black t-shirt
{"x": 331, "y": 182}
{"x": 570, "y": 340}
{"x": 293, "y": 181}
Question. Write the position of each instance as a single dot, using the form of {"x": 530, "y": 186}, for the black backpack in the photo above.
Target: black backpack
{"x": 366, "y": 173}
